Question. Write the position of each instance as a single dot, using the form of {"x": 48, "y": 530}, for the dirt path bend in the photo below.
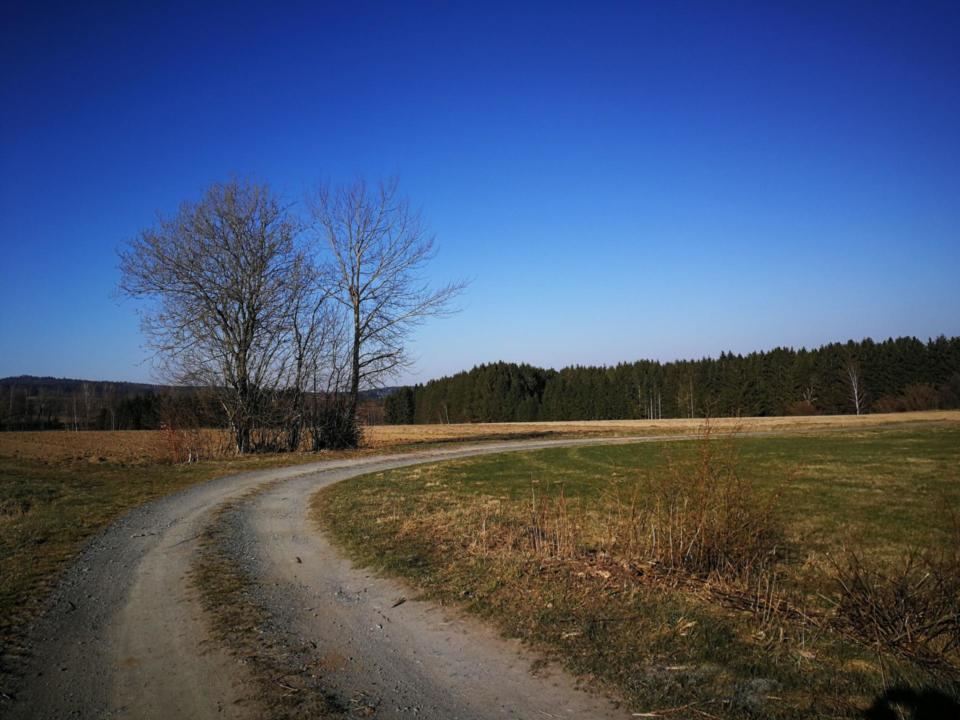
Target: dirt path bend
{"x": 125, "y": 636}
{"x": 407, "y": 660}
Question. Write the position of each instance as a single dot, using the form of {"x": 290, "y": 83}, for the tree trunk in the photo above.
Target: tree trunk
{"x": 241, "y": 431}
{"x": 355, "y": 373}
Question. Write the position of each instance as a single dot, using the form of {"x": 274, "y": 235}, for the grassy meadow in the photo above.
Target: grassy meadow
{"x": 752, "y": 623}
{"x": 58, "y": 489}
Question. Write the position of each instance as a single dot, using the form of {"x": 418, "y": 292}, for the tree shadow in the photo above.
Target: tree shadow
{"x": 925, "y": 704}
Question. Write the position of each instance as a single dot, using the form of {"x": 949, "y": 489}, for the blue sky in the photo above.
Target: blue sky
{"x": 619, "y": 181}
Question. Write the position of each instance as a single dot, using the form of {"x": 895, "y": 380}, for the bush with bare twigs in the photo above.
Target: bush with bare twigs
{"x": 183, "y": 437}
{"x": 910, "y": 609}
{"x": 701, "y": 518}
{"x": 704, "y": 518}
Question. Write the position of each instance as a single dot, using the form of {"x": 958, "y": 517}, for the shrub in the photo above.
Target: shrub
{"x": 184, "y": 439}
{"x": 911, "y": 608}
{"x": 800, "y": 407}
{"x": 333, "y": 425}
{"x": 700, "y": 517}
{"x": 919, "y": 396}
{"x": 705, "y": 518}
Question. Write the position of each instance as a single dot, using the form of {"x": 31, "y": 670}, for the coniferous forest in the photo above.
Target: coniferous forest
{"x": 890, "y": 376}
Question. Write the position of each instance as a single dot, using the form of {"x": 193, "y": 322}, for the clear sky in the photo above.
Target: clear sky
{"x": 619, "y": 181}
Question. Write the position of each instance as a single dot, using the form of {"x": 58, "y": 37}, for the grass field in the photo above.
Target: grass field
{"x": 57, "y": 489}
{"x": 535, "y": 543}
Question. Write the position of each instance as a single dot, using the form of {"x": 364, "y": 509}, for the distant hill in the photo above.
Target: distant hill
{"x": 71, "y": 384}
{"x": 379, "y": 393}
{"x": 28, "y": 402}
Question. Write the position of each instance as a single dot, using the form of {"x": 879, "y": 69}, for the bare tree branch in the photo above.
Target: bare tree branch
{"x": 380, "y": 248}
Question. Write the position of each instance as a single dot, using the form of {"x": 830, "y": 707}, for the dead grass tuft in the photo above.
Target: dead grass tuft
{"x": 705, "y": 519}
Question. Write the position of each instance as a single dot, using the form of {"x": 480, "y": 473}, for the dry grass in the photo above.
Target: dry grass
{"x": 673, "y": 575}
{"x": 699, "y": 517}
{"x": 151, "y": 446}
{"x": 386, "y": 435}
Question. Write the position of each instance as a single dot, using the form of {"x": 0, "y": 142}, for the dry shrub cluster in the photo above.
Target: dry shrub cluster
{"x": 192, "y": 444}
{"x": 703, "y": 518}
{"x": 915, "y": 397}
{"x": 800, "y": 408}
{"x": 182, "y": 435}
{"x": 700, "y": 518}
{"x": 185, "y": 439}
{"x": 911, "y": 609}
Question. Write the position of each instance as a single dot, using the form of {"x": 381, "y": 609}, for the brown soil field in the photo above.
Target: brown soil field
{"x": 148, "y": 446}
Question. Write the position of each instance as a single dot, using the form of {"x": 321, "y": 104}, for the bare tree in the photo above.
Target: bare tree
{"x": 331, "y": 414}
{"x": 380, "y": 248}
{"x": 220, "y": 279}
{"x": 306, "y": 314}
{"x": 851, "y": 370}
{"x": 85, "y": 387}
{"x": 317, "y": 364}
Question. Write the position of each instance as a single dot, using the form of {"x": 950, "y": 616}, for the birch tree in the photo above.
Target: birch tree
{"x": 851, "y": 370}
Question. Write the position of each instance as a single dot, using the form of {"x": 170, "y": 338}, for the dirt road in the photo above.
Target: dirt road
{"x": 126, "y": 636}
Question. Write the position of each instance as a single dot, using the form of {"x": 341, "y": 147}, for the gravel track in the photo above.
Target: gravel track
{"x": 378, "y": 650}
{"x": 125, "y": 634}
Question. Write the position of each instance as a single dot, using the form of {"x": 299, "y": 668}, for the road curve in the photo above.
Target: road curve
{"x": 125, "y": 635}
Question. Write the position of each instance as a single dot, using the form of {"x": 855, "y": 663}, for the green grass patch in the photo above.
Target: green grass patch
{"x": 461, "y": 531}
